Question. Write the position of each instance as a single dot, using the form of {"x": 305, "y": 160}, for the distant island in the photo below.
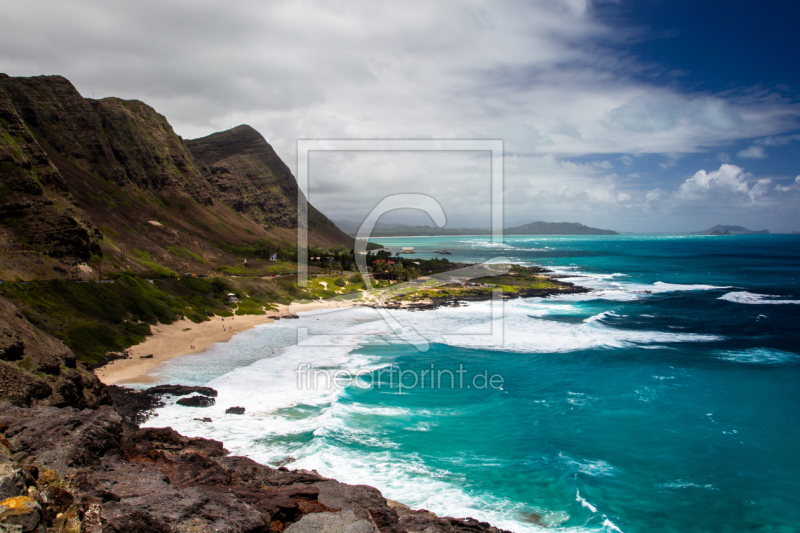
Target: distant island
{"x": 534, "y": 228}
{"x": 730, "y": 230}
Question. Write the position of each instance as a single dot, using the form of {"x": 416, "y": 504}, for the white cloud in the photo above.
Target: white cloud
{"x": 655, "y": 195}
{"x": 548, "y": 77}
{"x": 729, "y": 178}
{"x": 778, "y": 140}
{"x": 753, "y": 152}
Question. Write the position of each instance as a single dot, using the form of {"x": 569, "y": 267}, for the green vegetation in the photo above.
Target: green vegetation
{"x": 96, "y": 318}
{"x": 186, "y": 254}
{"x": 252, "y": 270}
{"x": 156, "y": 270}
{"x": 108, "y": 232}
{"x": 517, "y": 280}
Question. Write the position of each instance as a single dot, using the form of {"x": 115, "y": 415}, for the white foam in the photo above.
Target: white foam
{"x": 681, "y": 485}
{"x": 305, "y": 425}
{"x": 610, "y": 525}
{"x": 524, "y": 334}
{"x": 750, "y": 298}
{"x": 604, "y": 287}
{"x": 584, "y": 503}
{"x": 762, "y": 356}
{"x": 597, "y": 468}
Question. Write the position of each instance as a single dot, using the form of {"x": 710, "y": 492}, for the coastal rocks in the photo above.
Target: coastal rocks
{"x": 14, "y": 480}
{"x": 234, "y": 411}
{"x": 97, "y": 474}
{"x": 196, "y": 401}
{"x": 36, "y": 369}
{"x": 182, "y": 390}
{"x": 341, "y": 522}
{"x": 21, "y": 511}
{"x": 137, "y": 406}
{"x": 133, "y": 406}
{"x": 62, "y": 439}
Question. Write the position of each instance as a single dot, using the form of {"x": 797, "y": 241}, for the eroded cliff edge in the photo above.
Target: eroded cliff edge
{"x": 69, "y": 462}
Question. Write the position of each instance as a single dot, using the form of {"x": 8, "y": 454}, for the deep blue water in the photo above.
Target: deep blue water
{"x": 666, "y": 400}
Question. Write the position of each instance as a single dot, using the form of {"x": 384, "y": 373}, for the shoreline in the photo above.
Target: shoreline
{"x": 184, "y": 337}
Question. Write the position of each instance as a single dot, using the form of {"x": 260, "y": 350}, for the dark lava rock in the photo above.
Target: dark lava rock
{"x": 137, "y": 406}
{"x": 234, "y": 411}
{"x": 204, "y": 419}
{"x": 134, "y": 406}
{"x": 115, "y": 478}
{"x": 196, "y": 401}
{"x": 182, "y": 390}
{"x": 146, "y": 356}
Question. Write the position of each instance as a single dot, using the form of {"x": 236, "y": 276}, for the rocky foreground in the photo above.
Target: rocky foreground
{"x": 88, "y": 470}
{"x": 73, "y": 459}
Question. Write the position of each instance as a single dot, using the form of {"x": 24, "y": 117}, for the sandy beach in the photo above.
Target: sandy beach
{"x": 184, "y": 337}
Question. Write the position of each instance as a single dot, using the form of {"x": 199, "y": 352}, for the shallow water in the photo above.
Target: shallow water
{"x": 667, "y": 400}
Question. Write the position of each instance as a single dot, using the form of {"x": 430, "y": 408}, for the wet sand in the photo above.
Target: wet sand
{"x": 185, "y": 337}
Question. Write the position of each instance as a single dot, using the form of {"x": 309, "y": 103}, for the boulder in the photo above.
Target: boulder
{"x": 182, "y": 390}
{"x": 341, "y": 522}
{"x": 14, "y": 480}
{"x": 234, "y": 411}
{"x": 20, "y": 511}
{"x": 196, "y": 401}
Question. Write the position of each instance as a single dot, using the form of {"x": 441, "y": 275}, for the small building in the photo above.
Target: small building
{"x": 407, "y": 250}
{"x": 231, "y": 298}
{"x": 273, "y": 257}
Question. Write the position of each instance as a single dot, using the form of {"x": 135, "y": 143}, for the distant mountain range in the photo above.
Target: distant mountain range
{"x": 730, "y": 230}
{"x": 534, "y": 228}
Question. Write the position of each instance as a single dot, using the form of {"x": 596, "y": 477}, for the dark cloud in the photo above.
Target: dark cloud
{"x": 546, "y": 77}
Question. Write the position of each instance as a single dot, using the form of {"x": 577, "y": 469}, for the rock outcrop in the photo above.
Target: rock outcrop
{"x": 34, "y": 205}
{"x": 249, "y": 176}
{"x": 37, "y": 369}
{"x": 88, "y": 470}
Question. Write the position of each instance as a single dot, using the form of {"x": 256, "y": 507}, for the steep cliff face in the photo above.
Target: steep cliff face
{"x": 35, "y": 209}
{"x": 124, "y": 141}
{"x": 110, "y": 178}
{"x": 248, "y": 175}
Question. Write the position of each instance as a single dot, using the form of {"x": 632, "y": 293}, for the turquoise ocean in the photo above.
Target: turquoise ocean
{"x": 668, "y": 399}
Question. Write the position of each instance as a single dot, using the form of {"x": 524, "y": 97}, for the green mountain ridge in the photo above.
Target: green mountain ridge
{"x": 110, "y": 179}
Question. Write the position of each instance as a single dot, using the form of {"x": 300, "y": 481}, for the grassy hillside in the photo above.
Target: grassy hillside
{"x": 109, "y": 182}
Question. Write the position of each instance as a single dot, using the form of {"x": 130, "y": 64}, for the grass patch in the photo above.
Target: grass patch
{"x": 186, "y": 254}
{"x": 96, "y": 318}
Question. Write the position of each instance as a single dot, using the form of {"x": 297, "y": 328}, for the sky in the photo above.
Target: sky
{"x": 632, "y": 115}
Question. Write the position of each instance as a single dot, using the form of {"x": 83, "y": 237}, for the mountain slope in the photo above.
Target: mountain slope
{"x": 248, "y": 175}
{"x": 110, "y": 179}
{"x": 534, "y": 228}
{"x": 557, "y": 228}
{"x": 731, "y": 230}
